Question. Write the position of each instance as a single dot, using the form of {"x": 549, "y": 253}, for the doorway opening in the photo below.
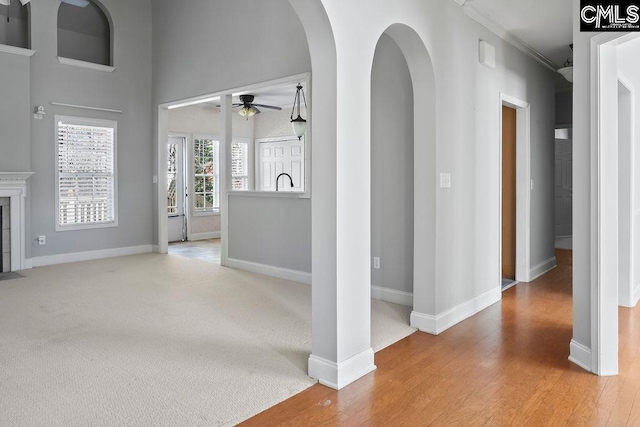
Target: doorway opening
{"x": 508, "y": 197}
{"x": 563, "y": 191}
{"x": 515, "y": 201}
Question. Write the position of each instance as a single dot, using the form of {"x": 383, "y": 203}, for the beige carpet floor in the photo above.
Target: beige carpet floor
{"x": 156, "y": 340}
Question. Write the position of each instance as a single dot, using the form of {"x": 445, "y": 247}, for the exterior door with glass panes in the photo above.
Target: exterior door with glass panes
{"x": 176, "y": 190}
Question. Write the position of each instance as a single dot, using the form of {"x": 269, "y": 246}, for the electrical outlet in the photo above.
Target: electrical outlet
{"x": 42, "y": 240}
{"x": 376, "y": 262}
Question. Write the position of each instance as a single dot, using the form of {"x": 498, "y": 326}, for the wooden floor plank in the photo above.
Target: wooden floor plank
{"x": 505, "y": 366}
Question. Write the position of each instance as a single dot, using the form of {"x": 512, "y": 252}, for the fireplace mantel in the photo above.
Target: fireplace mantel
{"x": 14, "y": 186}
{"x": 15, "y": 176}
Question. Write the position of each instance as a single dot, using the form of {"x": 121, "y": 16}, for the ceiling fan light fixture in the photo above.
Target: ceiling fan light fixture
{"x": 248, "y": 111}
{"x": 299, "y": 124}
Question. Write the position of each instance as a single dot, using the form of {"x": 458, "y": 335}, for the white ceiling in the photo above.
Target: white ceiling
{"x": 544, "y": 25}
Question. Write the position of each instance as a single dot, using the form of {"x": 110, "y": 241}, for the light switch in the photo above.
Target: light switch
{"x": 445, "y": 180}
{"x": 532, "y": 185}
{"x": 155, "y": 179}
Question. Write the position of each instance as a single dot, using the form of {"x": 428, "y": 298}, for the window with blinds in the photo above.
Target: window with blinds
{"x": 206, "y": 174}
{"x": 239, "y": 165}
{"x": 85, "y": 173}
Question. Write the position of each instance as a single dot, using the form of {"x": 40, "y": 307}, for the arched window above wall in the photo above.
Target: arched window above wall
{"x": 14, "y": 24}
{"x": 84, "y": 32}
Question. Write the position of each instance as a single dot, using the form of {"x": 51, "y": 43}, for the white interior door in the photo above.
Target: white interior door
{"x": 563, "y": 187}
{"x": 176, "y": 190}
{"x": 278, "y": 157}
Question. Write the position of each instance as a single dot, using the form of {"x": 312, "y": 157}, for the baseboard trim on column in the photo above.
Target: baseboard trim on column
{"x": 580, "y": 355}
{"x": 340, "y": 375}
{"x": 436, "y": 325}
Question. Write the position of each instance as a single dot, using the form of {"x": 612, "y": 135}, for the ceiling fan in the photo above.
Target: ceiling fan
{"x": 249, "y": 109}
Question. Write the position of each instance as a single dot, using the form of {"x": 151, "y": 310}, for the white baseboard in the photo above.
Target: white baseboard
{"x": 636, "y": 295}
{"x": 269, "y": 270}
{"x": 28, "y": 264}
{"x": 89, "y": 255}
{"x": 436, "y": 325}
{"x": 392, "y": 296}
{"x": 340, "y": 375}
{"x": 156, "y": 249}
{"x": 205, "y": 236}
{"x": 542, "y": 268}
{"x": 580, "y": 355}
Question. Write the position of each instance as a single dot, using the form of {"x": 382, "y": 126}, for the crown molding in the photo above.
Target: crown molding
{"x": 501, "y": 32}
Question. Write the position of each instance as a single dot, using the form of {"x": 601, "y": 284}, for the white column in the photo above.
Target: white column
{"x": 341, "y": 230}
{"x": 226, "y": 136}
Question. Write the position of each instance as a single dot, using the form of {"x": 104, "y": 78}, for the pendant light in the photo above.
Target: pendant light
{"x": 567, "y": 69}
{"x": 299, "y": 124}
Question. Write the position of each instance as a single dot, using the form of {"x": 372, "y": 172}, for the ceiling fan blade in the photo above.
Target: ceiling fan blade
{"x": 79, "y": 3}
{"x": 234, "y": 105}
{"x": 273, "y": 107}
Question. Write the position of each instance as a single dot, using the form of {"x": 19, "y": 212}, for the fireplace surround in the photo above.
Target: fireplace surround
{"x": 13, "y": 185}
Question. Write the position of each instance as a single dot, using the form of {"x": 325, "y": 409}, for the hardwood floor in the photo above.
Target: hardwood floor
{"x": 505, "y": 366}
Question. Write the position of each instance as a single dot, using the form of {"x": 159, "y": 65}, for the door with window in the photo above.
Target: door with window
{"x": 176, "y": 189}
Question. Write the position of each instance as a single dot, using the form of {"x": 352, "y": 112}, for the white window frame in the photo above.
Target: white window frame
{"x": 85, "y": 121}
{"x": 192, "y": 177}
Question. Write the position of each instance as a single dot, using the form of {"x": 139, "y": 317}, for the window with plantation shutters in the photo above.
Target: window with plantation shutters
{"x": 85, "y": 173}
{"x": 239, "y": 165}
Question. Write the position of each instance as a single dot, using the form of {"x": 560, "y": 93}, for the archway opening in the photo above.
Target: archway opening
{"x": 414, "y": 125}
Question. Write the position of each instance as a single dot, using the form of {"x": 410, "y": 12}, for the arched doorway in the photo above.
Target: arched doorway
{"x": 423, "y": 199}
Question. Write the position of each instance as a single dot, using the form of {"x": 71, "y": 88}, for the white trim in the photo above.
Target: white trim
{"x": 523, "y": 187}
{"x": 580, "y": 355}
{"x": 604, "y": 201}
{"x": 436, "y": 325}
{"x": 85, "y": 107}
{"x": 16, "y": 50}
{"x": 542, "y": 268}
{"x": 90, "y": 255}
{"x": 392, "y": 296}
{"x": 85, "y": 64}
{"x": 205, "y": 236}
{"x": 155, "y": 249}
{"x": 636, "y": 295}
{"x": 340, "y": 375}
{"x": 270, "y": 270}
{"x": 505, "y": 35}
{"x": 625, "y": 291}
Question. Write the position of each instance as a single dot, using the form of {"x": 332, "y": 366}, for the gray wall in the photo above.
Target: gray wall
{"x": 279, "y": 234}
{"x": 215, "y": 55}
{"x": 128, "y": 89}
{"x": 564, "y": 108}
{"x": 392, "y": 168}
{"x": 84, "y": 47}
{"x": 15, "y": 113}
